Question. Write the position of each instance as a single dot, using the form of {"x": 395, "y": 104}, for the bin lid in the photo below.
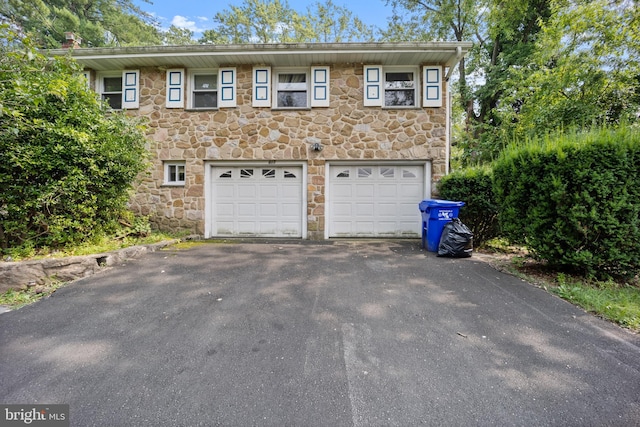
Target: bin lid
{"x": 436, "y": 203}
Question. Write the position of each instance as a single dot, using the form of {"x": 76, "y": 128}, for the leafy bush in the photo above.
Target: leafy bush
{"x": 474, "y": 187}
{"x": 66, "y": 164}
{"x": 574, "y": 200}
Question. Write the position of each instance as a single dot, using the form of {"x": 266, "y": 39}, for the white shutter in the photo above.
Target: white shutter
{"x": 227, "y": 87}
{"x": 261, "y": 87}
{"x": 175, "y": 88}
{"x": 373, "y": 86}
{"x": 320, "y": 86}
{"x": 432, "y": 92}
{"x": 130, "y": 89}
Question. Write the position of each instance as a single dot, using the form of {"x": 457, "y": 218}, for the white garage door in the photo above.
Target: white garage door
{"x": 375, "y": 200}
{"x": 257, "y": 201}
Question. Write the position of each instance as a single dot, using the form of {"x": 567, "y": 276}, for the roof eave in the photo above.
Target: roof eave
{"x": 445, "y": 53}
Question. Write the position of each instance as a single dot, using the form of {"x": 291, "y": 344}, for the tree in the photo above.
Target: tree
{"x": 273, "y": 21}
{"x": 255, "y": 21}
{"x": 98, "y": 23}
{"x": 585, "y": 70}
{"x": 66, "y": 163}
{"x": 178, "y": 36}
{"x": 504, "y": 35}
{"x": 331, "y": 23}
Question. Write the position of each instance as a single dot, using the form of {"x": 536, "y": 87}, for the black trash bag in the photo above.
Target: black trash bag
{"x": 456, "y": 240}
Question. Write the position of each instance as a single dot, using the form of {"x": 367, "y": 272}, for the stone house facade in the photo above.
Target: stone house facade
{"x": 311, "y": 141}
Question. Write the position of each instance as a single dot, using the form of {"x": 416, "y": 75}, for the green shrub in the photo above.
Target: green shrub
{"x": 66, "y": 164}
{"x": 474, "y": 187}
{"x": 574, "y": 200}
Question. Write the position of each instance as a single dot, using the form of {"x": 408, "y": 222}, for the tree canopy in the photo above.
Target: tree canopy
{"x": 274, "y": 21}
{"x": 98, "y": 23}
{"x": 66, "y": 164}
{"x": 536, "y": 65}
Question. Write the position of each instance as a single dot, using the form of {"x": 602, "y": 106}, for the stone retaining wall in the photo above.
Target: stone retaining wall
{"x": 20, "y": 275}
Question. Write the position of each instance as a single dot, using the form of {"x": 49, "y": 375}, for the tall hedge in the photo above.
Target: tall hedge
{"x": 66, "y": 163}
{"x": 574, "y": 200}
{"x": 473, "y": 186}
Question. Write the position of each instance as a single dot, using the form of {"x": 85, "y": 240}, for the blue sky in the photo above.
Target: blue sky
{"x": 197, "y": 15}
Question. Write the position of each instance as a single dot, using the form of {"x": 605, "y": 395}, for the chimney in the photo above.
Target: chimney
{"x": 71, "y": 41}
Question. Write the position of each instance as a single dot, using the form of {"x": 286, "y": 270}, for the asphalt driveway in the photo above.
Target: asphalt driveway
{"x": 369, "y": 333}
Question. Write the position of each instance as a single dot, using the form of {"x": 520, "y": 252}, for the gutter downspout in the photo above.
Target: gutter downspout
{"x": 447, "y": 149}
{"x": 448, "y": 114}
{"x": 453, "y": 66}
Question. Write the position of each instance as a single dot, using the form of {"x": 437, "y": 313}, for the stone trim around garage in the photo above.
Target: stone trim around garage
{"x": 20, "y": 275}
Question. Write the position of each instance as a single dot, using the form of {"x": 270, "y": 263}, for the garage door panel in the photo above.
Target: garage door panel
{"x": 225, "y": 227}
{"x": 224, "y": 209}
{"x": 246, "y": 191}
{"x": 388, "y": 190}
{"x": 409, "y": 190}
{"x": 290, "y": 210}
{"x": 226, "y": 192}
{"x": 342, "y": 191}
{"x": 363, "y": 228}
{"x": 246, "y": 210}
{"x": 268, "y": 210}
{"x": 342, "y": 209}
{"x": 364, "y": 190}
{"x": 387, "y": 210}
{"x": 342, "y": 228}
{"x": 257, "y": 201}
{"x": 269, "y": 191}
{"x": 289, "y": 229}
{"x": 387, "y": 227}
{"x": 365, "y": 210}
{"x": 268, "y": 227}
{"x": 377, "y": 200}
{"x": 246, "y": 227}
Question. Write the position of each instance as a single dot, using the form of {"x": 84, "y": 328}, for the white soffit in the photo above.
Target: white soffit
{"x": 283, "y": 55}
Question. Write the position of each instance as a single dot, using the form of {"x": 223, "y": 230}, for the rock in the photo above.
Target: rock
{"x": 24, "y": 274}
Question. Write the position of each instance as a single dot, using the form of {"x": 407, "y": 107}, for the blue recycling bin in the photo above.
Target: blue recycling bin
{"x": 435, "y": 214}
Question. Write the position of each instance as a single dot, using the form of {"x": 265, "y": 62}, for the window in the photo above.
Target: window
{"x": 292, "y": 90}
{"x": 204, "y": 90}
{"x": 120, "y": 88}
{"x": 364, "y": 172}
{"x": 112, "y": 91}
{"x": 174, "y": 173}
{"x": 387, "y": 172}
{"x": 246, "y": 173}
{"x": 269, "y": 173}
{"x": 392, "y": 87}
{"x": 400, "y": 89}
{"x": 408, "y": 174}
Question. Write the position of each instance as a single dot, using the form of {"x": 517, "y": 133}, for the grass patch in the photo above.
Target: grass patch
{"x": 15, "y": 299}
{"x": 188, "y": 244}
{"x": 619, "y": 303}
{"x": 103, "y": 244}
{"x": 616, "y": 302}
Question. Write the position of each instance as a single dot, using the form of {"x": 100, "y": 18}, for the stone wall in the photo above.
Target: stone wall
{"x": 347, "y": 130}
{"x": 23, "y": 274}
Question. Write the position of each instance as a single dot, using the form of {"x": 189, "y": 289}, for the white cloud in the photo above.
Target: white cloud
{"x": 184, "y": 22}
